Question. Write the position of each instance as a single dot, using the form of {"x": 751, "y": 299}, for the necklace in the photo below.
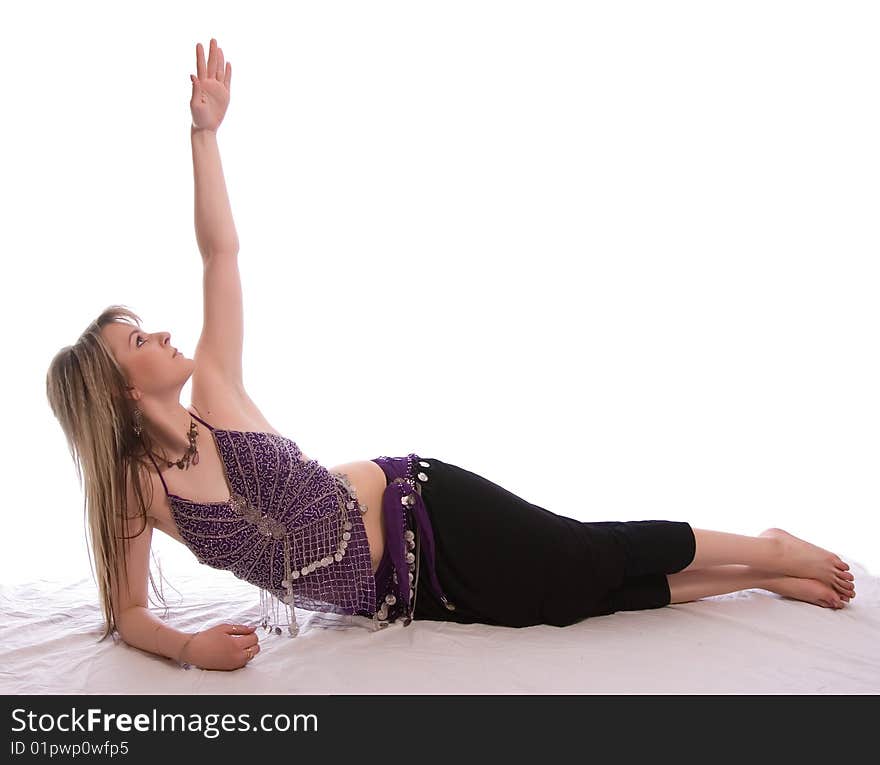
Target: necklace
{"x": 192, "y": 453}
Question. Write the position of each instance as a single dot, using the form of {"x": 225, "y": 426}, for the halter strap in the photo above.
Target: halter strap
{"x": 202, "y": 421}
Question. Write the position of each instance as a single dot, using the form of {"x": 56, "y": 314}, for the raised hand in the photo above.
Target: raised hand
{"x": 210, "y": 94}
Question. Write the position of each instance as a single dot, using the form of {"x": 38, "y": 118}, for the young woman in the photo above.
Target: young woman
{"x": 410, "y": 537}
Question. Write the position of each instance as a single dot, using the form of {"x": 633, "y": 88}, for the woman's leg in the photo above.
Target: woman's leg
{"x": 773, "y": 550}
{"x": 691, "y": 585}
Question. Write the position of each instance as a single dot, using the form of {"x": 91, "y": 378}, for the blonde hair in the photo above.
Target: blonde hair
{"x": 86, "y": 390}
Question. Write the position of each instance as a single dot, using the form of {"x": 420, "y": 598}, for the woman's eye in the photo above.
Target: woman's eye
{"x": 136, "y": 341}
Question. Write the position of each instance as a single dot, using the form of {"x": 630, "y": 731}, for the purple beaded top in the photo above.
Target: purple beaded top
{"x": 290, "y": 526}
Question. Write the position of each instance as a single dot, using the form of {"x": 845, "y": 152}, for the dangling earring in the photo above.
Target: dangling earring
{"x": 138, "y": 427}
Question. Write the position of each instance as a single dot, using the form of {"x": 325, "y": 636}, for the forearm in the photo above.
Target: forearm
{"x": 215, "y": 229}
{"x": 142, "y": 629}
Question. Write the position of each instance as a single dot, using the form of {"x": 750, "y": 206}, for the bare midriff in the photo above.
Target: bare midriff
{"x": 369, "y": 480}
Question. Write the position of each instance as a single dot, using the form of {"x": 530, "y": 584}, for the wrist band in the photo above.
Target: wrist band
{"x": 185, "y": 664}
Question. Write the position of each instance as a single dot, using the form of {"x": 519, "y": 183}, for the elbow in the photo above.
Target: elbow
{"x": 215, "y": 254}
{"x": 122, "y": 620}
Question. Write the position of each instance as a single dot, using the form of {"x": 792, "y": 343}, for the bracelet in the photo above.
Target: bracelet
{"x": 185, "y": 664}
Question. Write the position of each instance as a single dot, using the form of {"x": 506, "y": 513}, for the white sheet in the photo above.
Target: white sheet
{"x": 747, "y": 642}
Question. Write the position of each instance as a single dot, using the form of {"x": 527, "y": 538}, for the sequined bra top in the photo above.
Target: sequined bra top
{"x": 290, "y": 527}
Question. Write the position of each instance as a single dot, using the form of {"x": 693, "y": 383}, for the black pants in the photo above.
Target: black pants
{"x": 505, "y": 561}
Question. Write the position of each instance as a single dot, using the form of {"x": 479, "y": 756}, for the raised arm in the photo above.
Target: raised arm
{"x": 215, "y": 229}
{"x": 218, "y": 352}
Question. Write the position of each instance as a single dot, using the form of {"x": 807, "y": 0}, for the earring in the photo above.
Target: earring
{"x": 137, "y": 421}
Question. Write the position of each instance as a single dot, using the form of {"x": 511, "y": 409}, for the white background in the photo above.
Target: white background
{"x": 620, "y": 258}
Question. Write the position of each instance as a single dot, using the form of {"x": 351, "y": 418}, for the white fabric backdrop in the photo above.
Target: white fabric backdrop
{"x": 747, "y": 642}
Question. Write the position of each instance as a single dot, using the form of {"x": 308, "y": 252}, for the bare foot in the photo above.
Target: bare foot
{"x": 802, "y": 559}
{"x": 809, "y": 590}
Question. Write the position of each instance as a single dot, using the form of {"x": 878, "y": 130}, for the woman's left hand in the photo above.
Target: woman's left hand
{"x": 210, "y": 95}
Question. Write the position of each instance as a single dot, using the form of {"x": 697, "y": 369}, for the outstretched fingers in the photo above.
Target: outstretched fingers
{"x": 216, "y": 68}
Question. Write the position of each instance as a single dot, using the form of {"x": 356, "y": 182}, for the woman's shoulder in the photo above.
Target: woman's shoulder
{"x": 147, "y": 477}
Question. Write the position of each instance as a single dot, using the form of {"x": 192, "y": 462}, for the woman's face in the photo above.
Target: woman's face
{"x": 148, "y": 359}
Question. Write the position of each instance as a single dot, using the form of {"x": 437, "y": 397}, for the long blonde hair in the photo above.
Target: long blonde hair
{"x": 86, "y": 391}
